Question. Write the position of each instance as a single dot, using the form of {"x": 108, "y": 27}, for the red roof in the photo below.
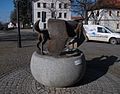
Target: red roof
{"x": 77, "y": 17}
{"x": 106, "y": 4}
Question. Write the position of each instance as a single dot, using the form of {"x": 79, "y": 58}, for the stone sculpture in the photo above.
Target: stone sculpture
{"x": 64, "y": 64}
{"x": 63, "y": 36}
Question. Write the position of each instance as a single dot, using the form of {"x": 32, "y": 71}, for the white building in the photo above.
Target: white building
{"x": 45, "y": 9}
{"x": 106, "y": 17}
{"x": 11, "y": 25}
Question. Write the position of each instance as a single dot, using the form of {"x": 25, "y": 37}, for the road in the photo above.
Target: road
{"x": 11, "y": 35}
{"x": 102, "y": 73}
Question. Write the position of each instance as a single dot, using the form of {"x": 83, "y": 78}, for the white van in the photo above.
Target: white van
{"x": 101, "y": 33}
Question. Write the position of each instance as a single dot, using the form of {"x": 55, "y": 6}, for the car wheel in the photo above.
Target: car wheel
{"x": 113, "y": 41}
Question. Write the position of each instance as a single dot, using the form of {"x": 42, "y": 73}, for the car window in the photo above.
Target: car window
{"x": 109, "y": 30}
{"x": 106, "y": 31}
{"x": 102, "y": 30}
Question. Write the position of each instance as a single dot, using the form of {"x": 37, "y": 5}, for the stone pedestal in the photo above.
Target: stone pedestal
{"x": 57, "y": 71}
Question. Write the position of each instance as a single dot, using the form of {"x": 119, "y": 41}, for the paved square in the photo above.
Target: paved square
{"x": 102, "y": 73}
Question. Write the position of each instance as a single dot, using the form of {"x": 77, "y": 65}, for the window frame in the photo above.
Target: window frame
{"x": 118, "y": 13}
{"x": 65, "y": 15}
{"x": 52, "y": 5}
{"x": 65, "y": 6}
{"x": 118, "y": 26}
{"x": 38, "y": 5}
{"x": 60, "y": 15}
{"x": 44, "y": 5}
{"x": 38, "y": 14}
{"x": 60, "y": 5}
{"x": 110, "y": 13}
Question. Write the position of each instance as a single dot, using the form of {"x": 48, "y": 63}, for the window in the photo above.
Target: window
{"x": 106, "y": 31}
{"x": 65, "y": 15}
{"x": 38, "y": 5}
{"x": 60, "y": 15}
{"x": 118, "y": 13}
{"x": 65, "y": 5}
{"x": 60, "y": 5}
{"x": 43, "y": 16}
{"x": 110, "y": 13}
{"x": 38, "y": 14}
{"x": 100, "y": 30}
{"x": 52, "y": 5}
{"x": 97, "y": 14}
{"x": 44, "y": 25}
{"x": 44, "y": 5}
{"x": 53, "y": 15}
{"x": 117, "y": 25}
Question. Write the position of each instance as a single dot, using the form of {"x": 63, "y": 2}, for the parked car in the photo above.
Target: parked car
{"x": 101, "y": 33}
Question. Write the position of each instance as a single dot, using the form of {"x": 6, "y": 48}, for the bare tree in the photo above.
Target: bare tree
{"x": 84, "y": 6}
{"x": 25, "y": 8}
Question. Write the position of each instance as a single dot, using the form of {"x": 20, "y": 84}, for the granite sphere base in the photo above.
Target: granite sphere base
{"x": 57, "y": 71}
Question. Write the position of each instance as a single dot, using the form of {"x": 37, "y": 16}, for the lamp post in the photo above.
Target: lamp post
{"x": 18, "y": 22}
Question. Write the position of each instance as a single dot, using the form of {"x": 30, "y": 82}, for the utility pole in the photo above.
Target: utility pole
{"x": 18, "y": 22}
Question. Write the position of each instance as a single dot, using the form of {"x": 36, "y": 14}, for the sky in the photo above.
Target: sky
{"x": 6, "y": 6}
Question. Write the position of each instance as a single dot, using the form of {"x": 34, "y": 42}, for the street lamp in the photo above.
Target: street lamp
{"x": 18, "y": 22}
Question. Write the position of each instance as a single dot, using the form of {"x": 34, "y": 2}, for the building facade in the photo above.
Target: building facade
{"x": 45, "y": 9}
{"x": 106, "y": 17}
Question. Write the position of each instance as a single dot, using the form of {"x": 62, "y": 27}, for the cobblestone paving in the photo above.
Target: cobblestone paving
{"x": 16, "y": 78}
{"x": 22, "y": 82}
